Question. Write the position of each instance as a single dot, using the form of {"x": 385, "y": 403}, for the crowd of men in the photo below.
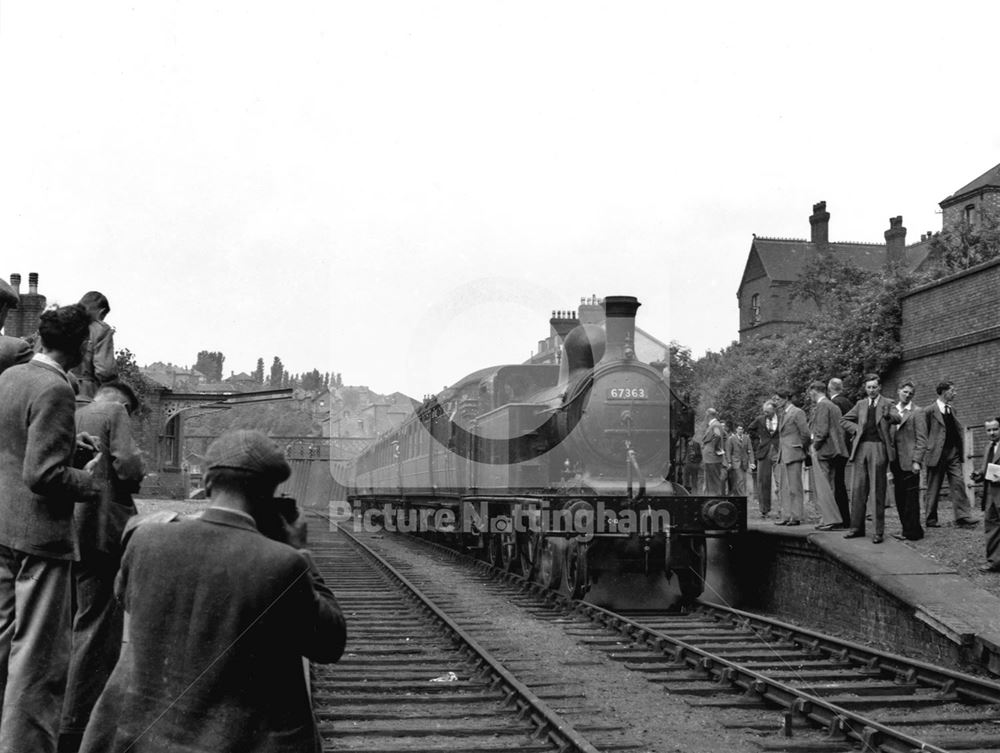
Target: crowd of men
{"x": 855, "y": 448}
{"x": 222, "y": 607}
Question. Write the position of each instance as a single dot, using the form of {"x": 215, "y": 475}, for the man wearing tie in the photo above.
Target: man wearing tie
{"x": 763, "y": 432}
{"x": 827, "y": 445}
{"x": 738, "y": 457}
{"x": 942, "y": 454}
{"x": 871, "y": 452}
{"x": 991, "y": 497}
{"x": 911, "y": 431}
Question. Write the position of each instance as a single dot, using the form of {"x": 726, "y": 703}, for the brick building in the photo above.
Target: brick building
{"x": 969, "y": 202}
{"x": 774, "y": 264}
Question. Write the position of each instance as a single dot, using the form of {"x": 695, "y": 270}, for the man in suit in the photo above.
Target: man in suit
{"x": 38, "y": 489}
{"x": 840, "y": 495}
{"x": 828, "y": 443}
{"x": 763, "y": 431}
{"x": 872, "y": 450}
{"x": 222, "y": 609}
{"x": 13, "y": 350}
{"x": 713, "y": 453}
{"x": 991, "y": 497}
{"x": 738, "y": 458}
{"x": 910, "y": 432}
{"x": 942, "y": 453}
{"x": 97, "y": 619}
{"x": 98, "y": 364}
{"x": 793, "y": 442}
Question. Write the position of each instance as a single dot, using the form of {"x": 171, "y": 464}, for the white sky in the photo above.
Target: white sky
{"x": 403, "y": 192}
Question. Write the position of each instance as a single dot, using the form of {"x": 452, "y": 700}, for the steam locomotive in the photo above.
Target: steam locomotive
{"x": 556, "y": 470}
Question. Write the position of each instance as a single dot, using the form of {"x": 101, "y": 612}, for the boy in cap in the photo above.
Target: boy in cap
{"x": 220, "y": 616}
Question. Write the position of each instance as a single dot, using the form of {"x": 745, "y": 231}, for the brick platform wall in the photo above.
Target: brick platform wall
{"x": 792, "y": 579}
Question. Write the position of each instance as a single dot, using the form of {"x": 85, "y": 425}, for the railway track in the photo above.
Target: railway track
{"x": 419, "y": 674}
{"x": 798, "y": 689}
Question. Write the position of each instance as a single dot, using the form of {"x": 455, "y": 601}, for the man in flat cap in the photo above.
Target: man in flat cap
{"x": 13, "y": 350}
{"x": 220, "y": 616}
{"x": 97, "y": 618}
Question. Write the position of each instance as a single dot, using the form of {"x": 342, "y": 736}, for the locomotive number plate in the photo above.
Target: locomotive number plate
{"x": 627, "y": 393}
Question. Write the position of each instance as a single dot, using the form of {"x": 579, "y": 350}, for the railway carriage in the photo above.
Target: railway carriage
{"x": 559, "y": 471}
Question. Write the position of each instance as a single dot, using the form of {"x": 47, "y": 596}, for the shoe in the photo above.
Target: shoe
{"x": 781, "y": 522}
{"x": 794, "y": 523}
{"x": 825, "y": 527}
{"x": 854, "y": 534}
{"x": 988, "y": 569}
{"x": 876, "y": 539}
{"x": 967, "y": 523}
{"x": 931, "y": 524}
{"x": 840, "y": 527}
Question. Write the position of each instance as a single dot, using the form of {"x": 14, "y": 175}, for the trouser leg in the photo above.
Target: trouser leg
{"x": 97, "y": 638}
{"x": 764, "y": 485}
{"x": 861, "y": 486}
{"x": 991, "y": 521}
{"x": 957, "y": 492}
{"x": 935, "y": 477}
{"x": 39, "y": 656}
{"x": 840, "y": 495}
{"x": 881, "y": 469}
{"x": 793, "y": 475}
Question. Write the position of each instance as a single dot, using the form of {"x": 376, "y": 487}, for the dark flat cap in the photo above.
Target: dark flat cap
{"x": 8, "y": 296}
{"x": 247, "y": 450}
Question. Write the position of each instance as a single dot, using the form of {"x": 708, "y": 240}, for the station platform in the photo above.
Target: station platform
{"x": 887, "y": 593}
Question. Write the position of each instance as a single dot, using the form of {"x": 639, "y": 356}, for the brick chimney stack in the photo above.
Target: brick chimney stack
{"x": 23, "y": 321}
{"x": 820, "y": 222}
{"x": 895, "y": 242}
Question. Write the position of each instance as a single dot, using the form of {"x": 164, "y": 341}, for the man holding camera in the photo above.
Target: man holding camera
{"x": 222, "y": 608}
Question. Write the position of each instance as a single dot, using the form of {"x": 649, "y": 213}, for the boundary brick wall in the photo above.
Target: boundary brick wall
{"x": 951, "y": 330}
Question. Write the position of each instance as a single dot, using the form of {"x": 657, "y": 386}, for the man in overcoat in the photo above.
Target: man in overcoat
{"x": 828, "y": 444}
{"x": 738, "y": 458}
{"x": 872, "y": 450}
{"x": 713, "y": 453}
{"x": 793, "y": 443}
{"x": 222, "y": 609}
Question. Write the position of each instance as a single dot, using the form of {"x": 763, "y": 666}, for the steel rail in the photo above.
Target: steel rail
{"x": 873, "y": 735}
{"x": 549, "y": 722}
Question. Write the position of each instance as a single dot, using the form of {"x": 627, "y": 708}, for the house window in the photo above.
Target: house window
{"x": 755, "y": 308}
{"x": 970, "y": 214}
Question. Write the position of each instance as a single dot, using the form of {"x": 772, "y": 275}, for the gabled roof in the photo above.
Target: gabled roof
{"x": 785, "y": 259}
{"x": 989, "y": 179}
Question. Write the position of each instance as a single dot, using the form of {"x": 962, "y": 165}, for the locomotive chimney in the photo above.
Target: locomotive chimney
{"x": 619, "y": 324}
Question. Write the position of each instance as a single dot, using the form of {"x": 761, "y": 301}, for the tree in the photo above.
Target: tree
{"x": 210, "y": 363}
{"x": 128, "y": 372}
{"x": 258, "y": 374}
{"x": 277, "y": 374}
{"x": 682, "y": 373}
{"x": 312, "y": 380}
{"x": 965, "y": 245}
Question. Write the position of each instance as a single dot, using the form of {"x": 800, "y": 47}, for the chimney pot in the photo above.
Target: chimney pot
{"x": 895, "y": 242}
{"x": 820, "y": 223}
{"x": 15, "y": 282}
{"x": 33, "y": 283}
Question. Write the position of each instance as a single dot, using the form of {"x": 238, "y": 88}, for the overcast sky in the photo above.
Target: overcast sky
{"x": 402, "y": 192}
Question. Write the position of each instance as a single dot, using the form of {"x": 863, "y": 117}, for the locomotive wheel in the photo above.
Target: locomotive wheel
{"x": 527, "y": 554}
{"x": 691, "y": 570}
{"x": 550, "y": 562}
{"x": 576, "y": 579}
{"x": 508, "y": 551}
{"x": 493, "y": 548}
